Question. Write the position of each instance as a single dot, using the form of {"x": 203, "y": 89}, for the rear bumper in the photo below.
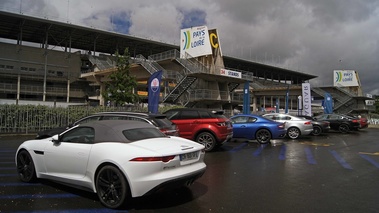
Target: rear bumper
{"x": 179, "y": 182}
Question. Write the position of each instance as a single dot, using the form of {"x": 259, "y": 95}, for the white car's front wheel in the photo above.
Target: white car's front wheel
{"x": 25, "y": 167}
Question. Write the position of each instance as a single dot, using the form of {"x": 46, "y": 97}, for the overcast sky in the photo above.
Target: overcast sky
{"x": 310, "y": 36}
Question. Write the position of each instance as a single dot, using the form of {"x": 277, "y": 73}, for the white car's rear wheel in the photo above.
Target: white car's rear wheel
{"x": 111, "y": 187}
{"x": 25, "y": 167}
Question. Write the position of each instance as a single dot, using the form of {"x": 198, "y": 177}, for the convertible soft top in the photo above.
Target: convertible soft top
{"x": 111, "y": 130}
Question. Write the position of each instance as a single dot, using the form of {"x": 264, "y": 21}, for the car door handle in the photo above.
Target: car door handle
{"x": 243, "y": 126}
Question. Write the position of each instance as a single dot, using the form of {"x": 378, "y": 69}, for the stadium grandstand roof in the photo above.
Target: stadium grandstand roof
{"x": 15, "y": 26}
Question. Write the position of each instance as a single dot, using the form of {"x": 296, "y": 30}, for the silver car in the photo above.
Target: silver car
{"x": 295, "y": 126}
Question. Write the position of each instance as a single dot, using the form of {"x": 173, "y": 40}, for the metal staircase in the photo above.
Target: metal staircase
{"x": 232, "y": 86}
{"x": 340, "y": 99}
{"x": 183, "y": 85}
{"x": 101, "y": 62}
{"x": 149, "y": 64}
{"x": 190, "y": 66}
{"x": 319, "y": 91}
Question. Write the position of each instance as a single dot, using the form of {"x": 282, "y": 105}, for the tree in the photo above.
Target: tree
{"x": 121, "y": 87}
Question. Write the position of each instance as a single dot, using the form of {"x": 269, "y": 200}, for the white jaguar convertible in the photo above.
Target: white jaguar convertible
{"x": 117, "y": 159}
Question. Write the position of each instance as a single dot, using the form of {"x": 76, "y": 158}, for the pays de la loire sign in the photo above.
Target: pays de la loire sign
{"x": 195, "y": 42}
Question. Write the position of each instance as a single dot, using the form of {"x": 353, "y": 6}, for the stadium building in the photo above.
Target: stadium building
{"x": 54, "y": 63}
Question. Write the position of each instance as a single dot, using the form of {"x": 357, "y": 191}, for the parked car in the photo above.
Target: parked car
{"x": 339, "y": 122}
{"x": 295, "y": 126}
{"x": 362, "y": 120}
{"x": 117, "y": 159}
{"x": 319, "y": 127}
{"x": 204, "y": 126}
{"x": 255, "y": 127}
{"x": 158, "y": 120}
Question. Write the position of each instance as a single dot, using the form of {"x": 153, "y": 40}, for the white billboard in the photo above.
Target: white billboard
{"x": 345, "y": 78}
{"x": 195, "y": 42}
{"x": 307, "y": 99}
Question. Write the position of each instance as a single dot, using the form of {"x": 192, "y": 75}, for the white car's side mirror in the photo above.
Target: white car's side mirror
{"x": 55, "y": 138}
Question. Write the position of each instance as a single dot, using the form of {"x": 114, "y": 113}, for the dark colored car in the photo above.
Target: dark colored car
{"x": 340, "y": 122}
{"x": 158, "y": 120}
{"x": 319, "y": 127}
{"x": 255, "y": 127}
{"x": 204, "y": 126}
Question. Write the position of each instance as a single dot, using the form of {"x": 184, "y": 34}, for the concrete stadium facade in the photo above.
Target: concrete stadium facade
{"x": 45, "y": 61}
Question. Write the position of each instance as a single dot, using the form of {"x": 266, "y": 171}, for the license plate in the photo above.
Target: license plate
{"x": 189, "y": 156}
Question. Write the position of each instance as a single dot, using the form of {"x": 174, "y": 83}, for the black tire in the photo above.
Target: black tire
{"x": 263, "y": 136}
{"x": 293, "y": 132}
{"x": 25, "y": 167}
{"x": 111, "y": 186}
{"x": 317, "y": 130}
{"x": 343, "y": 128}
{"x": 207, "y": 139}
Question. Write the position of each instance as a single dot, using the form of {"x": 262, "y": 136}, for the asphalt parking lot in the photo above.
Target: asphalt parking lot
{"x": 329, "y": 173}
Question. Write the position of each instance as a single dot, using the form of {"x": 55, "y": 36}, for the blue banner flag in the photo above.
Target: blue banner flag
{"x": 328, "y": 103}
{"x": 246, "y": 99}
{"x": 287, "y": 97}
{"x": 154, "y": 89}
{"x": 277, "y": 105}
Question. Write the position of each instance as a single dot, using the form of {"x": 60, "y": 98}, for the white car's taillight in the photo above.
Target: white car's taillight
{"x": 164, "y": 159}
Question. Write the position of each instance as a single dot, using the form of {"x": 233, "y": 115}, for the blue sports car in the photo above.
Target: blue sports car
{"x": 256, "y": 127}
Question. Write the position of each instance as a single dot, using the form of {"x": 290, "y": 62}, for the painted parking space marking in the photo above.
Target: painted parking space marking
{"x": 239, "y": 147}
{"x": 19, "y": 184}
{"x": 369, "y": 159}
{"x": 9, "y": 162}
{"x": 369, "y": 153}
{"x": 310, "y": 158}
{"x": 282, "y": 154}
{"x": 104, "y": 210}
{"x": 35, "y": 196}
{"x": 8, "y": 175}
{"x": 259, "y": 150}
{"x": 340, "y": 159}
{"x": 7, "y": 168}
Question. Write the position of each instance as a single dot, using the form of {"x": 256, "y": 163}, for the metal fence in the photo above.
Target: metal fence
{"x": 25, "y": 119}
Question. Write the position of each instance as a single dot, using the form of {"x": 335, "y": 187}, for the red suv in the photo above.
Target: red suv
{"x": 207, "y": 127}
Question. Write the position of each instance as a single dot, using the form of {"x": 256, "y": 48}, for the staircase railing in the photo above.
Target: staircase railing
{"x": 319, "y": 91}
{"x": 101, "y": 64}
{"x": 140, "y": 59}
